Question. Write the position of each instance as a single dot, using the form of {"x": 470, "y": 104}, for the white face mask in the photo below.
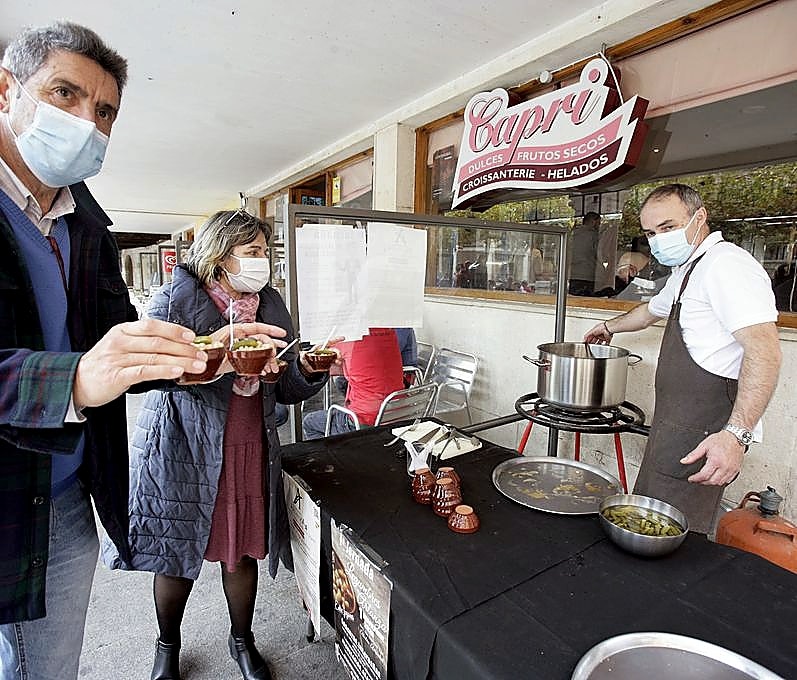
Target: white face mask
{"x": 60, "y": 149}
{"x": 253, "y": 276}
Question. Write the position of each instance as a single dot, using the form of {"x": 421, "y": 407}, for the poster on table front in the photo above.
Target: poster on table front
{"x": 304, "y": 519}
{"x": 361, "y": 594}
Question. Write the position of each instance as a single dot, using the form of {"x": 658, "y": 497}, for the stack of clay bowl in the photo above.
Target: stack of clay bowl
{"x": 444, "y": 494}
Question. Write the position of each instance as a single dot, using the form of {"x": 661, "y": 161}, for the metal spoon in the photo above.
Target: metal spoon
{"x": 411, "y": 428}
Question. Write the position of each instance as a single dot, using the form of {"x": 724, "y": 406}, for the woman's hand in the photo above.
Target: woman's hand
{"x": 266, "y": 333}
{"x": 331, "y": 346}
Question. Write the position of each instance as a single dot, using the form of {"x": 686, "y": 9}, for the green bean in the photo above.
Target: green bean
{"x": 640, "y": 521}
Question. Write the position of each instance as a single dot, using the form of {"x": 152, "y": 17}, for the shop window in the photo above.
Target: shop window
{"x": 755, "y": 208}
{"x": 352, "y": 185}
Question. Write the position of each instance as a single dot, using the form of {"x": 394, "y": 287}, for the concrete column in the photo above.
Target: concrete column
{"x": 394, "y": 168}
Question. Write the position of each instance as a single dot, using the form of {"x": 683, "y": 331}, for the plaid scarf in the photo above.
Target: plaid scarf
{"x": 244, "y": 310}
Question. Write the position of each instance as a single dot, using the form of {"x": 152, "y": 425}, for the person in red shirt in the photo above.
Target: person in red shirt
{"x": 374, "y": 369}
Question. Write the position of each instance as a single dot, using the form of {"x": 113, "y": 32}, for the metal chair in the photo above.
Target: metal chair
{"x": 415, "y": 402}
{"x": 416, "y": 376}
{"x": 454, "y": 372}
{"x": 426, "y": 353}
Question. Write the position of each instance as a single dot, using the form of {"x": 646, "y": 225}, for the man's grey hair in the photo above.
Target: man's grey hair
{"x": 216, "y": 238}
{"x": 686, "y": 194}
{"x": 28, "y": 52}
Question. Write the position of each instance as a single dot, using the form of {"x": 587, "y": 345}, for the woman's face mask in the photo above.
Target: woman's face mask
{"x": 671, "y": 248}
{"x": 253, "y": 275}
{"x": 60, "y": 149}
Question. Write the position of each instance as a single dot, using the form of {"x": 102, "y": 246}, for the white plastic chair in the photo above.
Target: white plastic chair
{"x": 414, "y": 402}
{"x": 454, "y": 373}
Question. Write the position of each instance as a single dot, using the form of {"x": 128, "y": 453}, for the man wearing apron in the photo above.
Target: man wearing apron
{"x": 719, "y": 358}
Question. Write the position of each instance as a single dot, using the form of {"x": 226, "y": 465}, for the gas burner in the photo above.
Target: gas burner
{"x": 626, "y": 417}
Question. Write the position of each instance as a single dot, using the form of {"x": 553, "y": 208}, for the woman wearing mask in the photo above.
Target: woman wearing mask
{"x": 205, "y": 473}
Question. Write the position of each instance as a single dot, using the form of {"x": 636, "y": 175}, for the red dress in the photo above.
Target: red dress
{"x": 239, "y": 525}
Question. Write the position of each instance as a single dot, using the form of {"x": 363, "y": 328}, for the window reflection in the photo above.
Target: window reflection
{"x": 755, "y": 208}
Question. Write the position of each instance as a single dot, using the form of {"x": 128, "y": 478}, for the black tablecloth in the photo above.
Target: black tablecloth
{"x": 530, "y": 593}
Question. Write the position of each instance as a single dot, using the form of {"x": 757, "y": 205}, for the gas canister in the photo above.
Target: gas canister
{"x": 759, "y": 529}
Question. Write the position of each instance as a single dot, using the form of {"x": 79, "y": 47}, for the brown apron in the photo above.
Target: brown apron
{"x": 691, "y": 403}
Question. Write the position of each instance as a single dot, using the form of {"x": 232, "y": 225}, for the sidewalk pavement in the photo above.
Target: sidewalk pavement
{"x": 121, "y": 629}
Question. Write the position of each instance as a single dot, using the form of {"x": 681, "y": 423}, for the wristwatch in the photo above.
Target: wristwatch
{"x": 744, "y": 436}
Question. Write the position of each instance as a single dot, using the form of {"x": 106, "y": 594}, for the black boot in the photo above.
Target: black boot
{"x": 252, "y": 665}
{"x": 167, "y": 661}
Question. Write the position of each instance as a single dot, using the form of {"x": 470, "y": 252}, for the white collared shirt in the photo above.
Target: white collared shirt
{"x": 22, "y": 197}
{"x": 728, "y": 290}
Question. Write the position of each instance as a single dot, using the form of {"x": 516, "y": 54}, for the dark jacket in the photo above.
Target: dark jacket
{"x": 35, "y": 390}
{"x": 176, "y": 450}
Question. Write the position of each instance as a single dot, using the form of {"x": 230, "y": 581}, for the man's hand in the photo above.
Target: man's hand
{"x": 131, "y": 353}
{"x": 724, "y": 455}
{"x": 635, "y": 320}
{"x": 598, "y": 335}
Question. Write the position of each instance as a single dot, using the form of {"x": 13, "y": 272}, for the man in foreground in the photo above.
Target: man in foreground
{"x": 69, "y": 345}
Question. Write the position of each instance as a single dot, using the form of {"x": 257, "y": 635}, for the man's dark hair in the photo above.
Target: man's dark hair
{"x": 28, "y": 52}
{"x": 591, "y": 218}
{"x": 686, "y": 194}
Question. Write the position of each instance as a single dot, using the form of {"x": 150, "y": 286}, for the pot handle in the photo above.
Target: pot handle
{"x": 539, "y": 362}
{"x": 635, "y": 356}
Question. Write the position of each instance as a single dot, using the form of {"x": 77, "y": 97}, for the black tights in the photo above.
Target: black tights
{"x": 240, "y": 588}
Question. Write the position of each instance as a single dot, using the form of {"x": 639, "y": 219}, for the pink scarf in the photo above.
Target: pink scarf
{"x": 244, "y": 310}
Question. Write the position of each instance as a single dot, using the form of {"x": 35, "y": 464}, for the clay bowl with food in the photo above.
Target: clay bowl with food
{"x": 271, "y": 377}
{"x": 321, "y": 359}
{"x": 643, "y": 525}
{"x": 215, "y": 352}
{"x": 248, "y": 356}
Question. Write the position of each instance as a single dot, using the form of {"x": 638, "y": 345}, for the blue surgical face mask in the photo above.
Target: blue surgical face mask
{"x": 671, "y": 247}
{"x": 60, "y": 149}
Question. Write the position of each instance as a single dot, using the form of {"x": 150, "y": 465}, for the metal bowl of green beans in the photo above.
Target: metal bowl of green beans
{"x": 643, "y": 525}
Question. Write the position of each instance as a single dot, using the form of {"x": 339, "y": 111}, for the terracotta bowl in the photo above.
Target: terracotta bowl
{"x": 450, "y": 473}
{"x": 423, "y": 485}
{"x": 321, "y": 360}
{"x": 446, "y": 497}
{"x": 273, "y": 377}
{"x": 215, "y": 354}
{"x": 249, "y": 361}
{"x": 463, "y": 520}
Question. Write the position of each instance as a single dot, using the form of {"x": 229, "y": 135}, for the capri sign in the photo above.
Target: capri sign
{"x": 576, "y": 136}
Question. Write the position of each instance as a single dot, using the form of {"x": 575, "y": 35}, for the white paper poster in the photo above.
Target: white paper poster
{"x": 396, "y": 273}
{"x": 330, "y": 263}
{"x": 304, "y": 518}
{"x": 362, "y": 609}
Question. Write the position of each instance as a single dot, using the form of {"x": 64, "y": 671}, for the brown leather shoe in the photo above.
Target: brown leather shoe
{"x": 252, "y": 665}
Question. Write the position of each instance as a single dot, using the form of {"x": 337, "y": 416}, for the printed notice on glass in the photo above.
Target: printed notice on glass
{"x": 304, "y": 519}
{"x": 395, "y": 274}
{"x": 361, "y": 594}
{"x": 330, "y": 266}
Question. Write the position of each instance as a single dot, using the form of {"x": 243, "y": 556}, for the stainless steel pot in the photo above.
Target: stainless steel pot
{"x": 582, "y": 377}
